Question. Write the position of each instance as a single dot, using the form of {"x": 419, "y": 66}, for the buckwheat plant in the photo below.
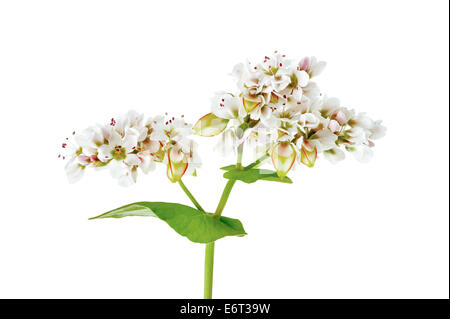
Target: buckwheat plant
{"x": 277, "y": 112}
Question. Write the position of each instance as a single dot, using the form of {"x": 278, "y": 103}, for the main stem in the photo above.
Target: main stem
{"x": 209, "y": 250}
{"x": 209, "y": 268}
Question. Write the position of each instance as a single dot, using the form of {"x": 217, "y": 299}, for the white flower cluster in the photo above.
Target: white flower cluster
{"x": 130, "y": 143}
{"x": 281, "y": 110}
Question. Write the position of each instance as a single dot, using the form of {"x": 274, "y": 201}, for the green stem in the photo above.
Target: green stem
{"x": 209, "y": 251}
{"x": 209, "y": 268}
{"x": 225, "y": 195}
{"x": 240, "y": 153}
{"x": 191, "y": 197}
{"x": 258, "y": 161}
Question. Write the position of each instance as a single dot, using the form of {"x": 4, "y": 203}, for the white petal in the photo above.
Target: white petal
{"x": 226, "y": 106}
{"x": 317, "y": 68}
{"x": 303, "y": 78}
{"x": 115, "y": 138}
{"x": 159, "y": 135}
{"x": 117, "y": 169}
{"x": 334, "y": 155}
{"x": 132, "y": 159}
{"x": 238, "y": 71}
{"x": 104, "y": 153}
{"x": 334, "y": 126}
{"x": 126, "y": 180}
{"x": 130, "y": 141}
{"x": 74, "y": 171}
{"x": 378, "y": 131}
{"x": 363, "y": 153}
{"x": 147, "y": 163}
{"x": 311, "y": 90}
{"x": 324, "y": 140}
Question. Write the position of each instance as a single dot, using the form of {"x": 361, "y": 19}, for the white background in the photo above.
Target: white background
{"x": 377, "y": 230}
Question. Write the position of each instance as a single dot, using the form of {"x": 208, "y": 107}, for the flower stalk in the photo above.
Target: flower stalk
{"x": 191, "y": 197}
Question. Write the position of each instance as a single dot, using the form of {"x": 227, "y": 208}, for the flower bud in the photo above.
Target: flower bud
{"x": 210, "y": 125}
{"x": 308, "y": 154}
{"x": 334, "y": 126}
{"x": 177, "y": 165}
{"x": 250, "y": 105}
{"x": 283, "y": 157}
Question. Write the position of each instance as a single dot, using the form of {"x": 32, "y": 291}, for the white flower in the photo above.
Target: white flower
{"x": 227, "y": 106}
{"x": 157, "y": 128}
{"x": 120, "y": 148}
{"x": 260, "y": 140}
{"x": 193, "y": 159}
{"x": 126, "y": 175}
{"x": 277, "y": 95}
{"x": 74, "y": 170}
{"x": 311, "y": 90}
{"x": 334, "y": 126}
{"x": 377, "y": 131}
{"x": 309, "y": 120}
{"x": 147, "y": 162}
{"x": 334, "y": 155}
{"x": 92, "y": 138}
{"x": 374, "y": 128}
{"x": 323, "y": 140}
{"x": 130, "y": 143}
{"x": 363, "y": 153}
{"x": 133, "y": 120}
{"x": 251, "y": 80}
{"x": 328, "y": 106}
{"x": 312, "y": 66}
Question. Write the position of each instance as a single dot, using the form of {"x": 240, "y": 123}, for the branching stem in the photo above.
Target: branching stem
{"x": 189, "y": 194}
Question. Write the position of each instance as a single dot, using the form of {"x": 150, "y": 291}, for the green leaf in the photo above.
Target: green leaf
{"x": 252, "y": 175}
{"x": 197, "y": 226}
{"x": 228, "y": 168}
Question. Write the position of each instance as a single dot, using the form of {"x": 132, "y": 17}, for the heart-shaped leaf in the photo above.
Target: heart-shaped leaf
{"x": 251, "y": 175}
{"x": 197, "y": 226}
